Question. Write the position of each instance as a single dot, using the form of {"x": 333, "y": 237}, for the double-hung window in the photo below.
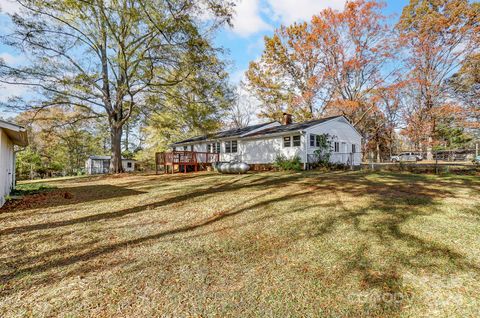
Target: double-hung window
{"x": 312, "y": 140}
{"x": 336, "y": 146}
{"x": 354, "y": 148}
{"x": 231, "y": 146}
{"x": 213, "y": 147}
{"x": 291, "y": 141}
{"x": 296, "y": 141}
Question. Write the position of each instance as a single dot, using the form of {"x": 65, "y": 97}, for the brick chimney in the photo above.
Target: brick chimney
{"x": 287, "y": 119}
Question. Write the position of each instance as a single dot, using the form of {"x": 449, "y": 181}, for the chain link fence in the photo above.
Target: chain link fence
{"x": 437, "y": 161}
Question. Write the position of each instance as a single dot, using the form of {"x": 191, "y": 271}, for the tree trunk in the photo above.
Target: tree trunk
{"x": 430, "y": 148}
{"x": 116, "y": 160}
{"x": 378, "y": 153}
{"x": 127, "y": 133}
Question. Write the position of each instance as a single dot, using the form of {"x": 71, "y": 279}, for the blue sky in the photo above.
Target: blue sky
{"x": 258, "y": 18}
{"x": 254, "y": 19}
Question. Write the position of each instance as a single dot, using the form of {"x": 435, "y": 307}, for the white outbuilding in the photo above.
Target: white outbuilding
{"x": 11, "y": 135}
{"x": 101, "y": 165}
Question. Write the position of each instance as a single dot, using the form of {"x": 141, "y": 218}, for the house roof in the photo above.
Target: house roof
{"x": 293, "y": 126}
{"x": 225, "y": 134}
{"x": 16, "y": 133}
{"x": 255, "y": 130}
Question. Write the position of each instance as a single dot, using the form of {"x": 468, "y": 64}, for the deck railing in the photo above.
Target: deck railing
{"x": 185, "y": 157}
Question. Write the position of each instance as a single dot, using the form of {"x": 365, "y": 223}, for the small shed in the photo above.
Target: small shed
{"x": 101, "y": 165}
{"x": 10, "y": 135}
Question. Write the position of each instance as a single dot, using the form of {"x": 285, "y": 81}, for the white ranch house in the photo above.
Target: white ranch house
{"x": 261, "y": 144}
{"x": 10, "y": 135}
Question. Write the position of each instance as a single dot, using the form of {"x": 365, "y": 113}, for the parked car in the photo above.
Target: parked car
{"x": 406, "y": 156}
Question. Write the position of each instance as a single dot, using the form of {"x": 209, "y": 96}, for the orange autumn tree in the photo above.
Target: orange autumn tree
{"x": 286, "y": 77}
{"x": 465, "y": 87}
{"x": 358, "y": 45}
{"x": 331, "y": 65}
{"x": 438, "y": 35}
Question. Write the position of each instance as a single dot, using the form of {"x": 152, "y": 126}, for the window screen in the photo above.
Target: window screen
{"x": 286, "y": 142}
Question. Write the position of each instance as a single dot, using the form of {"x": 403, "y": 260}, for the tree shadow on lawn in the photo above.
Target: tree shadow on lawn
{"x": 110, "y": 248}
{"x": 396, "y": 206}
{"x": 72, "y": 195}
{"x": 263, "y": 182}
{"x": 388, "y": 212}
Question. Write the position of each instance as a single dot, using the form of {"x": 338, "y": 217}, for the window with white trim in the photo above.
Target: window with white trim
{"x": 287, "y": 141}
{"x": 213, "y": 147}
{"x": 314, "y": 140}
{"x": 336, "y": 146}
{"x": 296, "y": 140}
{"x": 231, "y": 146}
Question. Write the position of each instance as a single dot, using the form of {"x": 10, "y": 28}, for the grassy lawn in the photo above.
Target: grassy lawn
{"x": 347, "y": 244}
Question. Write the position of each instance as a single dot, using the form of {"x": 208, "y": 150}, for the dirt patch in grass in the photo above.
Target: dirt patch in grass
{"x": 343, "y": 244}
{"x": 36, "y": 200}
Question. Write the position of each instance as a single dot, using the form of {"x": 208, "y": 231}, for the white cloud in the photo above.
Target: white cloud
{"x": 247, "y": 20}
{"x": 289, "y": 11}
{"x": 12, "y": 59}
{"x": 12, "y": 90}
{"x": 9, "y": 6}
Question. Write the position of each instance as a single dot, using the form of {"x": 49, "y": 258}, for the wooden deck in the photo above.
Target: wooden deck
{"x": 184, "y": 161}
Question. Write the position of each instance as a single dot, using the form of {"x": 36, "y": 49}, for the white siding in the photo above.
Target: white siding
{"x": 97, "y": 166}
{"x": 262, "y": 150}
{"x": 6, "y": 166}
{"x": 343, "y": 133}
{"x": 125, "y": 166}
{"x": 200, "y": 147}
